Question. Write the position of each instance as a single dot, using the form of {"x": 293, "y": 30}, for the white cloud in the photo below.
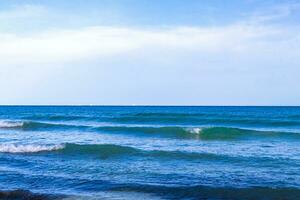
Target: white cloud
{"x": 62, "y": 46}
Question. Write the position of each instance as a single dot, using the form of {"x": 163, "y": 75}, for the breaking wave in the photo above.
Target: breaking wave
{"x": 104, "y": 151}
{"x": 11, "y": 124}
{"x": 28, "y": 148}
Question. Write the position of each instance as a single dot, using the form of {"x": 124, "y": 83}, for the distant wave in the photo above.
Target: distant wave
{"x": 163, "y": 114}
{"x": 214, "y": 115}
{"x": 34, "y": 125}
{"x": 175, "y": 117}
{"x": 180, "y": 132}
{"x": 203, "y": 119}
{"x": 57, "y": 117}
{"x": 201, "y": 133}
{"x": 28, "y": 148}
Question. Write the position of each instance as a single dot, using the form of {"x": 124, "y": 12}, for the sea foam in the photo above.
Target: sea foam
{"x": 28, "y": 148}
{"x": 194, "y": 130}
{"x": 11, "y": 124}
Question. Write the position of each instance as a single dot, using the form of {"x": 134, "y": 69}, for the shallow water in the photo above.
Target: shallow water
{"x": 151, "y": 152}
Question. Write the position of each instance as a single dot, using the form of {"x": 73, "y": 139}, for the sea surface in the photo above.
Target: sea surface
{"x": 145, "y": 152}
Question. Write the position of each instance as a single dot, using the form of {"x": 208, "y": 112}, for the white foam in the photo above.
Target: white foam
{"x": 194, "y": 130}
{"x": 11, "y": 124}
{"x": 28, "y": 148}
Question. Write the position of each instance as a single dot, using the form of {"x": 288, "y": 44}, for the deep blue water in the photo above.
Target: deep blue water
{"x": 151, "y": 152}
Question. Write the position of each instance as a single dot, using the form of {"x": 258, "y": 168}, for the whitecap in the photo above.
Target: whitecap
{"x": 28, "y": 148}
{"x": 194, "y": 130}
{"x": 11, "y": 124}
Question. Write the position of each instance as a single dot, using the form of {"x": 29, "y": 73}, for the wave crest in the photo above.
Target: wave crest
{"x": 11, "y": 124}
{"x": 194, "y": 130}
{"x": 178, "y": 132}
{"x": 28, "y": 148}
{"x": 104, "y": 151}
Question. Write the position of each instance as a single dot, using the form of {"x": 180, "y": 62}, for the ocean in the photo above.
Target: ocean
{"x": 149, "y": 152}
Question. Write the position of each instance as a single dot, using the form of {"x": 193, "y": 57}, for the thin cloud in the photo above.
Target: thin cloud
{"x": 274, "y": 13}
{"x": 23, "y": 11}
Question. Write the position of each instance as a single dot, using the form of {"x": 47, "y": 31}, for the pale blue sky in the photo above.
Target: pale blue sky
{"x": 150, "y": 52}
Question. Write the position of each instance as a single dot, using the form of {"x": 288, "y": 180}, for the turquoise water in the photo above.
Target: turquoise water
{"x": 151, "y": 152}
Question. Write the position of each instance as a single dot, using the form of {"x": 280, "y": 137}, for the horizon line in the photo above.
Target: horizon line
{"x": 141, "y": 105}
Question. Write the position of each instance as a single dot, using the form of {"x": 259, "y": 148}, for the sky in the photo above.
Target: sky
{"x": 150, "y": 52}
